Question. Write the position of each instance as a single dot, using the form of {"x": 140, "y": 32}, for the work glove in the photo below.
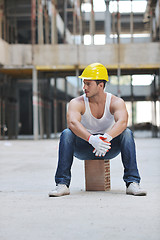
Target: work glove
{"x": 100, "y": 153}
{"x": 100, "y": 145}
{"x": 107, "y": 138}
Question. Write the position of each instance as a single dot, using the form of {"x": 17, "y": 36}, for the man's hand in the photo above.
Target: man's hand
{"x": 106, "y": 138}
{"x": 100, "y": 145}
{"x": 100, "y": 153}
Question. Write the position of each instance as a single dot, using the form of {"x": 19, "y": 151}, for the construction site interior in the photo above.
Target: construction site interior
{"x": 45, "y": 45}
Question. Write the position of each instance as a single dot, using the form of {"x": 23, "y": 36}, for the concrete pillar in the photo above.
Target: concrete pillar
{"x": 132, "y": 103}
{"x": 92, "y": 23}
{"x": 131, "y": 22}
{"x": 77, "y": 74}
{"x": 74, "y": 23}
{"x": 3, "y": 107}
{"x": 151, "y": 26}
{"x": 118, "y": 23}
{"x": 40, "y": 23}
{"x": 159, "y": 20}
{"x": 118, "y": 49}
{"x": 113, "y": 26}
{"x": 55, "y": 108}
{"x": 48, "y": 110}
{"x": 33, "y": 27}
{"x": 1, "y": 16}
{"x": 54, "y": 34}
{"x": 154, "y": 111}
{"x": 46, "y": 19}
{"x": 15, "y": 31}
{"x": 12, "y": 109}
{"x": 154, "y": 119}
{"x": 65, "y": 20}
{"x": 35, "y": 103}
{"x": 80, "y": 22}
{"x": 4, "y": 27}
{"x": 41, "y": 114}
{"x": 107, "y": 23}
{"x": 0, "y": 112}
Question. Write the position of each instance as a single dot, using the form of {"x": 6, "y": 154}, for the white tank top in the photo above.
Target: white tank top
{"x": 95, "y": 125}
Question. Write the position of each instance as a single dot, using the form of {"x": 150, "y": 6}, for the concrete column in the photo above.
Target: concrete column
{"x": 33, "y": 27}
{"x": 107, "y": 22}
{"x": 40, "y": 23}
{"x": 151, "y": 26}
{"x": 41, "y": 109}
{"x": 92, "y": 23}
{"x": 74, "y": 23}
{"x": 154, "y": 119}
{"x": 4, "y": 27}
{"x": 55, "y": 108}
{"x": 64, "y": 107}
{"x": 159, "y": 19}
{"x": 65, "y": 20}
{"x": 3, "y": 100}
{"x": 132, "y": 102}
{"x": 35, "y": 103}
{"x": 113, "y": 26}
{"x": 80, "y": 22}
{"x": 154, "y": 111}
{"x": 48, "y": 110}
{"x": 12, "y": 109}
{"x": 46, "y": 19}
{"x": 1, "y": 16}
{"x": 77, "y": 74}
{"x": 131, "y": 22}
{"x": 118, "y": 23}
{"x": 54, "y": 34}
{"x": 0, "y": 111}
{"x": 118, "y": 49}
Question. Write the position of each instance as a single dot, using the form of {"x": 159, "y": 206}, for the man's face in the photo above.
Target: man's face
{"x": 90, "y": 88}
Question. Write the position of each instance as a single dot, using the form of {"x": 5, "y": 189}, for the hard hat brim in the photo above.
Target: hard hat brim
{"x": 89, "y": 78}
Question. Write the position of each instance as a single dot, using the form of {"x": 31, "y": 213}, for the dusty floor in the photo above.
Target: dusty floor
{"x": 27, "y": 213}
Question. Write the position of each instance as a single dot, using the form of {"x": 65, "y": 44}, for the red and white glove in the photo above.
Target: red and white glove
{"x": 100, "y": 145}
{"x": 107, "y": 138}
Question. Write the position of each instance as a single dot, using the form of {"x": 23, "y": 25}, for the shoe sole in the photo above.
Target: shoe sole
{"x": 50, "y": 195}
{"x": 138, "y": 194}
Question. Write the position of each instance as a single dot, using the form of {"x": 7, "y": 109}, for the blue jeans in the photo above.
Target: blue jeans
{"x": 71, "y": 145}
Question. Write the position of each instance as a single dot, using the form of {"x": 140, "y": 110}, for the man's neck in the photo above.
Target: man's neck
{"x": 98, "y": 98}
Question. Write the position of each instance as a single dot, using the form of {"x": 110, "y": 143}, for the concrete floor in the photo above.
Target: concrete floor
{"x": 27, "y": 213}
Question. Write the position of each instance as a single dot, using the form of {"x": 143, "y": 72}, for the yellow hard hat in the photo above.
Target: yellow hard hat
{"x": 95, "y": 71}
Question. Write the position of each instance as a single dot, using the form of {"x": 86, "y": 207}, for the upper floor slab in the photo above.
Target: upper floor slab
{"x": 63, "y": 56}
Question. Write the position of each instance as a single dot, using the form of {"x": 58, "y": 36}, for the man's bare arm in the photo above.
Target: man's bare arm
{"x": 120, "y": 113}
{"x": 74, "y": 119}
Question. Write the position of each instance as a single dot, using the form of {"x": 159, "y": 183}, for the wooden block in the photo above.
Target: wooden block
{"x": 97, "y": 175}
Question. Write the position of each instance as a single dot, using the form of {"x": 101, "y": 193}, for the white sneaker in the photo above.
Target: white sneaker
{"x": 134, "y": 189}
{"x": 61, "y": 190}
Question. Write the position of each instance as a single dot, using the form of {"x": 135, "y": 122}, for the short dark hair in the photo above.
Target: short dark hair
{"x": 101, "y": 81}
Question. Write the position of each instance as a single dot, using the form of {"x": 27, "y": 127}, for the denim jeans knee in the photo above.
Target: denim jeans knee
{"x": 68, "y": 135}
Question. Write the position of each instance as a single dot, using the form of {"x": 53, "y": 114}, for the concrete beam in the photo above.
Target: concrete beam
{"x": 4, "y": 52}
{"x": 64, "y": 56}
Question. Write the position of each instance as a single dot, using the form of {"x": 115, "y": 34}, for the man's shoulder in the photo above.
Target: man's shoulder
{"x": 78, "y": 100}
{"x": 115, "y": 99}
{"x": 77, "y": 104}
{"x": 116, "y": 103}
